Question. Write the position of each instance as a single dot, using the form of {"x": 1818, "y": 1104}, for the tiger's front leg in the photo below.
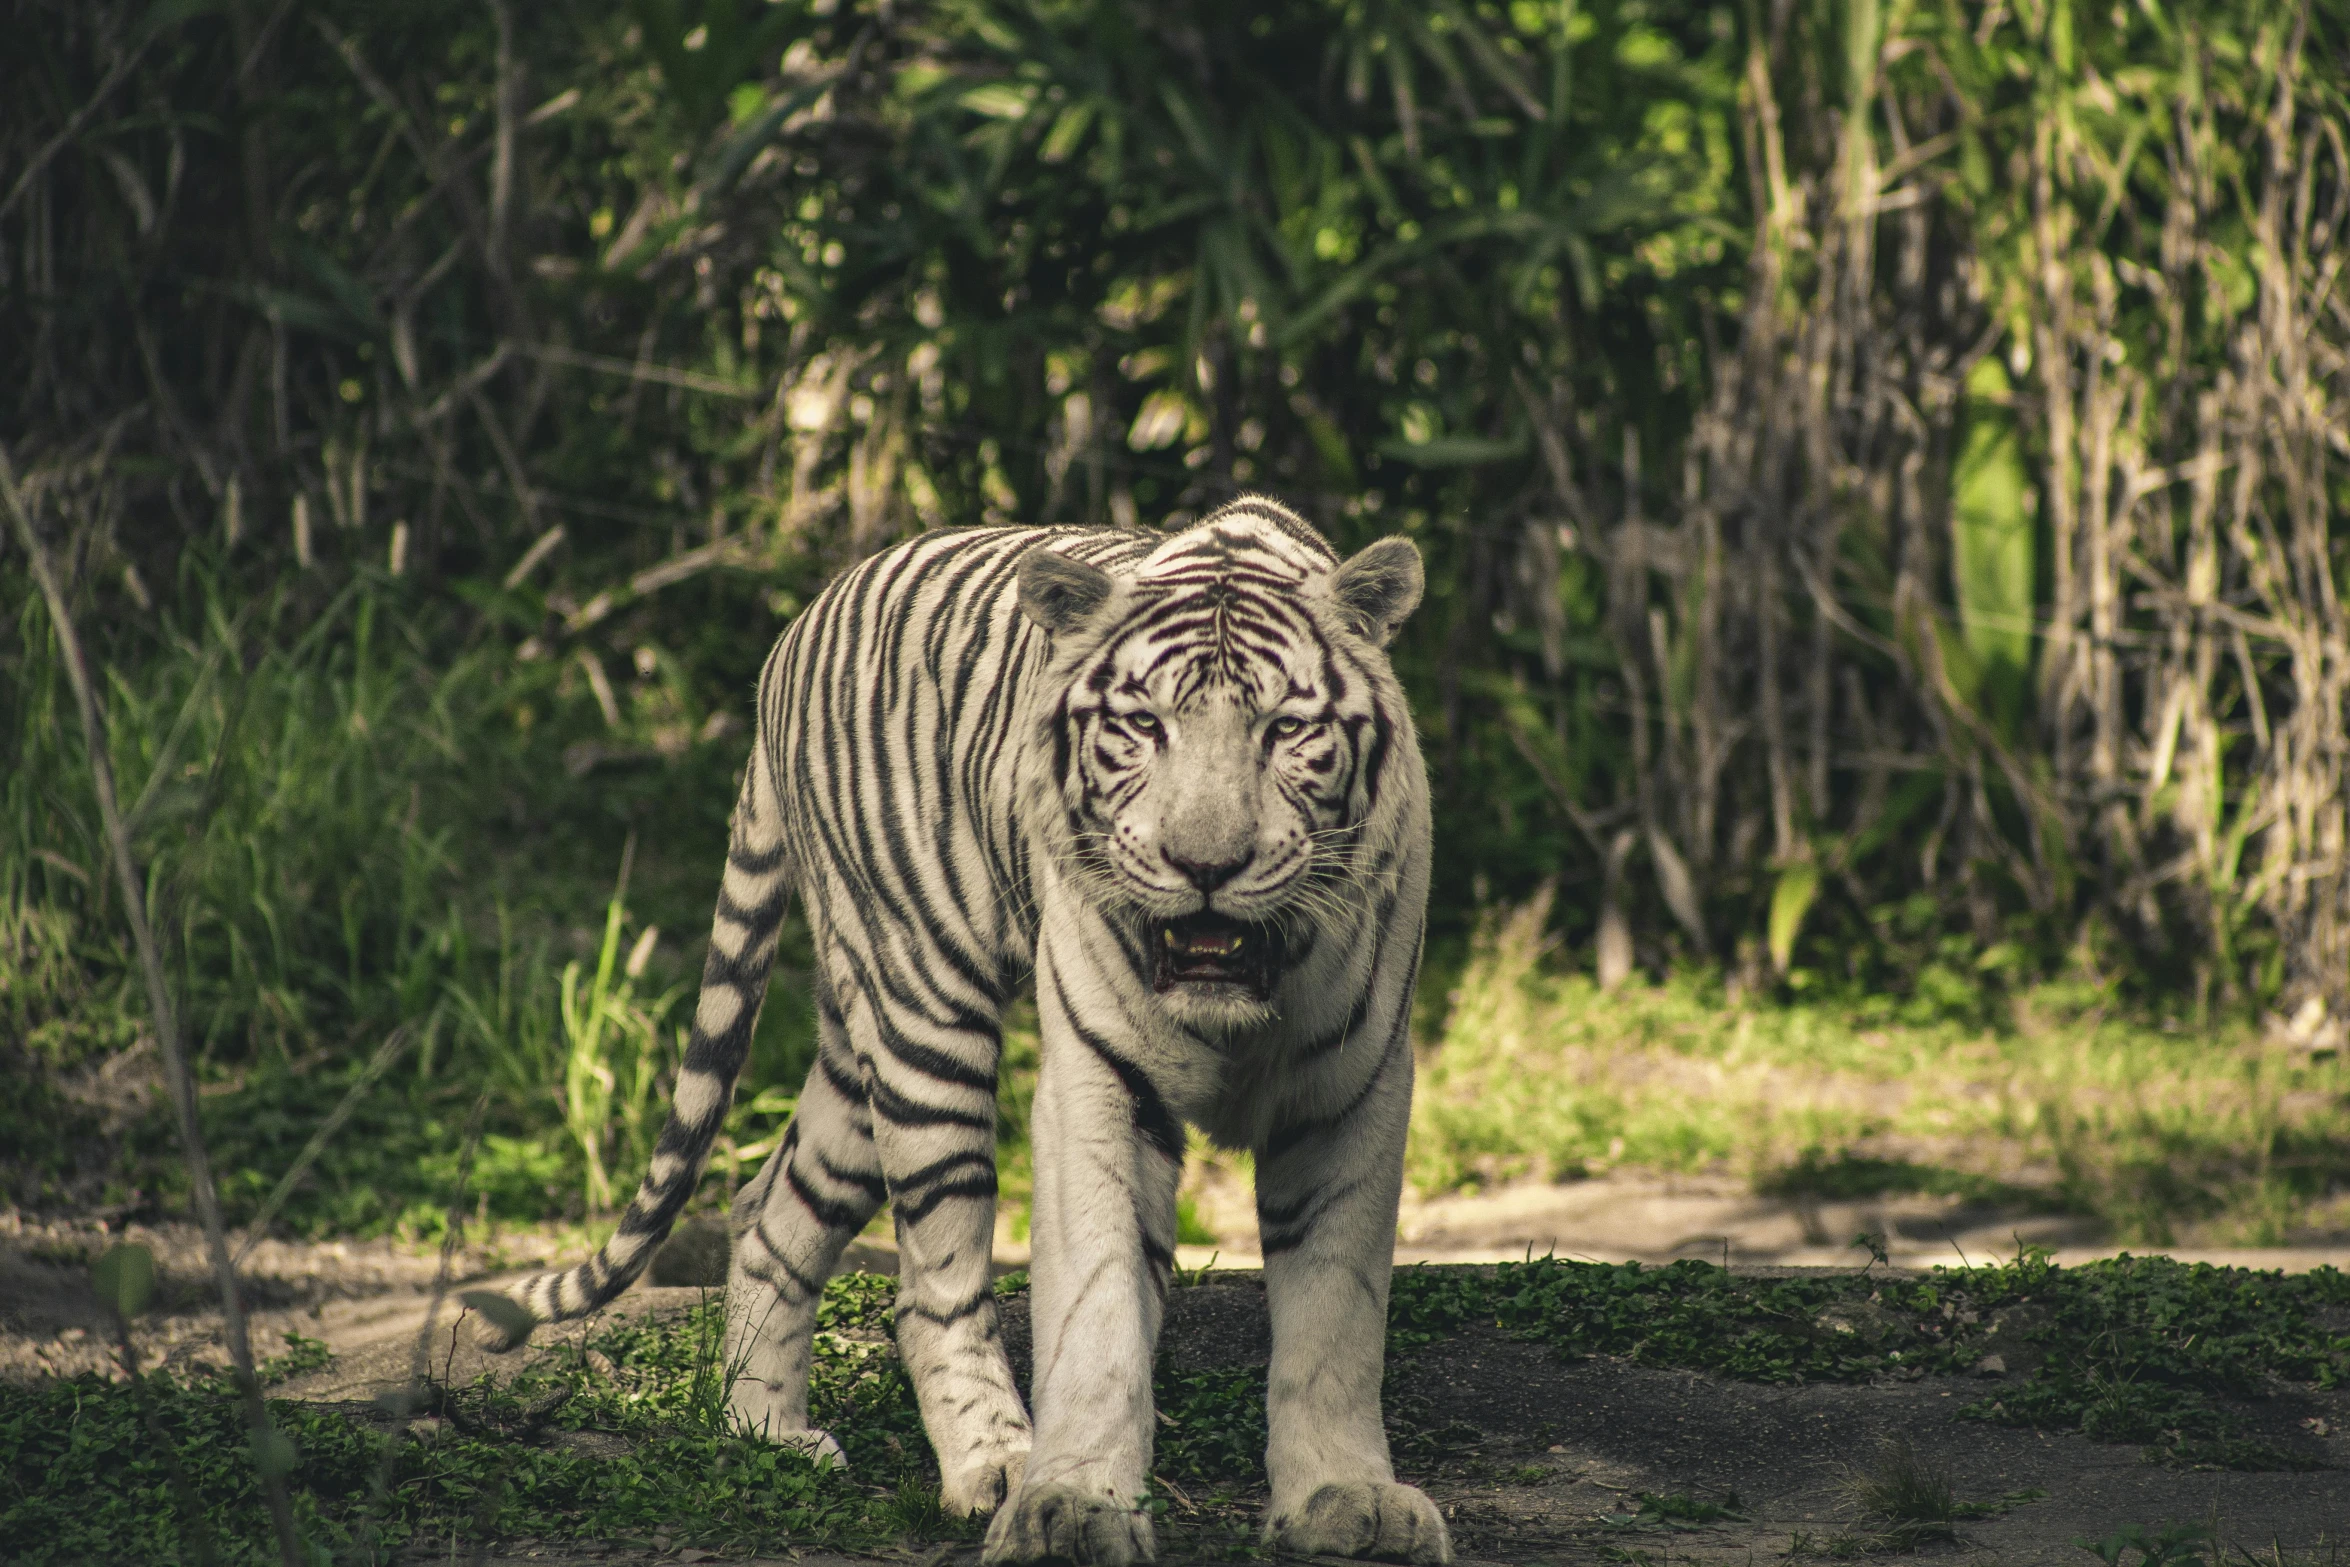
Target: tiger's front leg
{"x": 1103, "y": 1235}
{"x": 1327, "y": 1190}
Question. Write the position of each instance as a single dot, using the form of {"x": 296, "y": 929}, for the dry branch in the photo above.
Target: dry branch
{"x": 268, "y": 1446}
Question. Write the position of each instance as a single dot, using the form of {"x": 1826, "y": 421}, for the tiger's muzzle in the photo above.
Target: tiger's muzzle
{"x": 1210, "y": 949}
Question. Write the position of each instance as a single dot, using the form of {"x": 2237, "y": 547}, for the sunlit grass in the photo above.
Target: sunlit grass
{"x": 2218, "y": 1134}
{"x": 358, "y": 829}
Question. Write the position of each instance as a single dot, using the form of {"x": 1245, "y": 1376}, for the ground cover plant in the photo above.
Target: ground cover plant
{"x": 623, "y": 1438}
{"x": 2139, "y": 1349}
{"x": 105, "y": 1472}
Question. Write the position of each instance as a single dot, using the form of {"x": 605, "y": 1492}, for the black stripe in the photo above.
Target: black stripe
{"x": 867, "y": 1181}
{"x": 898, "y": 1110}
{"x": 978, "y": 1184}
{"x": 844, "y": 1083}
{"x": 943, "y": 1065}
{"x": 1151, "y": 1116}
{"x": 1286, "y": 1138}
{"x": 1293, "y": 1224}
{"x": 807, "y": 1284}
{"x": 755, "y": 862}
{"x": 971, "y": 1306}
{"x": 831, "y": 1212}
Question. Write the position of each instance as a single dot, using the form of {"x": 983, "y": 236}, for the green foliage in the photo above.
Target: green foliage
{"x": 124, "y": 1279}
{"x": 1212, "y": 1424}
{"x": 626, "y": 1439}
{"x": 2173, "y": 1545}
{"x": 1992, "y": 546}
{"x": 492, "y": 1464}
{"x": 368, "y": 845}
{"x": 1676, "y": 1511}
{"x": 1906, "y": 1500}
{"x": 613, "y": 1049}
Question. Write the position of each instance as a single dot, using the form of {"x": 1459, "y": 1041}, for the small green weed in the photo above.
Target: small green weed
{"x": 2176, "y": 1545}
{"x": 1677, "y": 1511}
{"x": 917, "y": 1513}
{"x": 1212, "y": 1424}
{"x": 1908, "y": 1500}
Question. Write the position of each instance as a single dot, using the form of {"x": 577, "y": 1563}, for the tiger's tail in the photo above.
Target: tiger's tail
{"x": 751, "y": 902}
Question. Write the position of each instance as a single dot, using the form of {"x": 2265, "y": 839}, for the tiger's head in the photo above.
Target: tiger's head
{"x": 1220, "y": 720}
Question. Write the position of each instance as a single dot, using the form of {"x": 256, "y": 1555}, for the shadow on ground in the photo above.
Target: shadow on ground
{"x": 1535, "y": 1459}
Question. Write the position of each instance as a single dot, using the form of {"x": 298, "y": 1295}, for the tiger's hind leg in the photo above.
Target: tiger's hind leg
{"x": 934, "y": 1100}
{"x": 815, "y": 1193}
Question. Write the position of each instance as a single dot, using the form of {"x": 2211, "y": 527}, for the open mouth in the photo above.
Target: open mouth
{"x": 1209, "y": 949}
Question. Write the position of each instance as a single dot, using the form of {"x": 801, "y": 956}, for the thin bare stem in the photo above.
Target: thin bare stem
{"x": 266, "y": 1443}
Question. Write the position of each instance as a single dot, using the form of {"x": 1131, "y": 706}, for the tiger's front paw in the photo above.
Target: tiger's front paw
{"x": 1060, "y": 1523}
{"x": 759, "y": 1411}
{"x": 978, "y": 1479}
{"x": 1381, "y": 1521}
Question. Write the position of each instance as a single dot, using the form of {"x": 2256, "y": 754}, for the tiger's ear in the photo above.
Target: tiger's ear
{"x": 1379, "y": 587}
{"x": 1058, "y": 593}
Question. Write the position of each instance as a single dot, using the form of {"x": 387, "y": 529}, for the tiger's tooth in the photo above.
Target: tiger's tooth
{"x": 1169, "y": 934}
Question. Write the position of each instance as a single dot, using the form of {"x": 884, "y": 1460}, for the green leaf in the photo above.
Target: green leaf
{"x": 273, "y": 1451}
{"x": 124, "y": 1277}
{"x": 999, "y": 100}
{"x": 1454, "y": 451}
{"x": 745, "y": 144}
{"x": 1068, "y": 130}
{"x": 1791, "y": 900}
{"x": 1991, "y": 528}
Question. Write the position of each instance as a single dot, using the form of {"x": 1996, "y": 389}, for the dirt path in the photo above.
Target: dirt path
{"x": 1536, "y": 1460}
{"x": 1533, "y": 1459}
{"x": 352, "y": 1293}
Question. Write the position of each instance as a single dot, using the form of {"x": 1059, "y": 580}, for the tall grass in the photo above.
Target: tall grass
{"x": 351, "y": 832}
{"x": 2045, "y": 1094}
{"x": 279, "y": 785}
{"x": 615, "y": 1052}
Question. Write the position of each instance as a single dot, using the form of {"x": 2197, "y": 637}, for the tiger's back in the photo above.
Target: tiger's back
{"x": 892, "y": 714}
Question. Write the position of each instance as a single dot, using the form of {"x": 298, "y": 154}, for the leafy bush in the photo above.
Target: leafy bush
{"x": 1813, "y": 420}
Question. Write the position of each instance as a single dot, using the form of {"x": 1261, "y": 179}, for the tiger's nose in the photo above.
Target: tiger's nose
{"x": 1207, "y": 877}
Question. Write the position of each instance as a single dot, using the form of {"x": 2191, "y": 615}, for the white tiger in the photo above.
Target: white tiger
{"x": 1173, "y": 777}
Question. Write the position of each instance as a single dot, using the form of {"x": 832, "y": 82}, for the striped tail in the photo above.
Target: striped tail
{"x": 751, "y": 902}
